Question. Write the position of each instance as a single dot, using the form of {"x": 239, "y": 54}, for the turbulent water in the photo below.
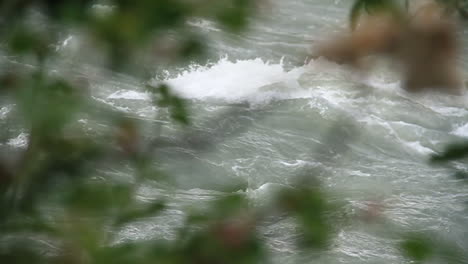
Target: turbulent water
{"x": 261, "y": 118}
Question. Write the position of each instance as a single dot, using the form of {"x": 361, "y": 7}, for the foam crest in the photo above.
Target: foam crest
{"x": 252, "y": 80}
{"x": 255, "y": 81}
{"x": 461, "y": 131}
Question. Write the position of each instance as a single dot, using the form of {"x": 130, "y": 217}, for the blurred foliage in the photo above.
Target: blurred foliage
{"x": 398, "y": 8}
{"x": 429, "y": 248}
{"x": 61, "y": 165}
{"x": 309, "y": 206}
{"x": 373, "y": 6}
{"x": 164, "y": 98}
{"x": 452, "y": 152}
{"x": 416, "y": 247}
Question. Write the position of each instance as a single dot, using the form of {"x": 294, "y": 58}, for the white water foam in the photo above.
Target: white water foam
{"x": 259, "y": 81}
{"x": 461, "y": 131}
{"x": 5, "y": 110}
{"x": 21, "y": 141}
{"x": 204, "y": 25}
{"x": 416, "y": 146}
{"x": 252, "y": 80}
{"x": 129, "y": 95}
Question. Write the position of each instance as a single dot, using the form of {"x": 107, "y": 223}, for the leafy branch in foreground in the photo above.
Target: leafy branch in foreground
{"x": 452, "y": 152}
{"x": 373, "y": 6}
{"x": 62, "y": 164}
{"x": 56, "y": 189}
{"x": 399, "y": 10}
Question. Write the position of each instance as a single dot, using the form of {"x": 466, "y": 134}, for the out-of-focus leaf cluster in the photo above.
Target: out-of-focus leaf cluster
{"x": 62, "y": 163}
{"x": 165, "y": 98}
{"x": 373, "y": 6}
{"x": 423, "y": 248}
{"x": 452, "y": 152}
{"x": 311, "y": 209}
{"x": 53, "y": 189}
{"x": 121, "y": 27}
{"x": 397, "y": 7}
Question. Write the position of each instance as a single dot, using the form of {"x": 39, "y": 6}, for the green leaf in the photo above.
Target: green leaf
{"x": 163, "y": 97}
{"x": 310, "y": 208}
{"x": 372, "y": 6}
{"x": 98, "y": 199}
{"x": 147, "y": 211}
{"x": 417, "y": 247}
{"x": 21, "y": 254}
{"x": 24, "y": 40}
{"x": 355, "y": 13}
{"x": 452, "y": 152}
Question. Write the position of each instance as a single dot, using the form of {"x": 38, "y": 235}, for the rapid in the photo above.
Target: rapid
{"x": 261, "y": 116}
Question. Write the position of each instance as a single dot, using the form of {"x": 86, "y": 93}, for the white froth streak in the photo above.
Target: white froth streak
{"x": 21, "y": 141}
{"x": 461, "y": 131}
{"x": 254, "y": 80}
{"x": 232, "y": 81}
{"x": 129, "y": 95}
